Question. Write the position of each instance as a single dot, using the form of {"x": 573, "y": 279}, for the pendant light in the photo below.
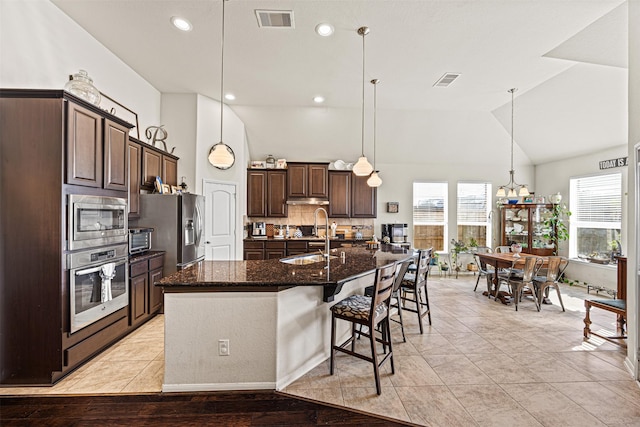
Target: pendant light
{"x": 374, "y": 180}
{"x": 221, "y": 155}
{"x": 362, "y": 166}
{"x": 509, "y": 189}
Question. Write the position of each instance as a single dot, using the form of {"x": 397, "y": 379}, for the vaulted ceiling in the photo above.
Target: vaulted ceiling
{"x": 568, "y": 59}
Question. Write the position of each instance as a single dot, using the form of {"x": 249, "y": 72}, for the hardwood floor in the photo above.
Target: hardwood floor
{"x": 260, "y": 408}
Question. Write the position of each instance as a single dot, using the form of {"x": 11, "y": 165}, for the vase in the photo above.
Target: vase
{"x": 82, "y": 86}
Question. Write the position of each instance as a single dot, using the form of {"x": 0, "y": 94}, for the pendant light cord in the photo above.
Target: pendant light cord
{"x": 222, "y": 75}
{"x": 375, "y": 103}
{"x": 364, "y": 33}
{"x": 512, "y": 92}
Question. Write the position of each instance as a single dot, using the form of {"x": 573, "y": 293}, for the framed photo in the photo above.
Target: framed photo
{"x": 176, "y": 190}
{"x": 158, "y": 184}
{"x": 120, "y": 111}
{"x": 393, "y": 207}
{"x": 166, "y": 189}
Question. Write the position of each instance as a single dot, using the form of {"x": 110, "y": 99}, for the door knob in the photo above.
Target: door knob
{"x": 208, "y": 242}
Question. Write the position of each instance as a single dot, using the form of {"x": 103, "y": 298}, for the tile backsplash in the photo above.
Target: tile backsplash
{"x": 304, "y": 215}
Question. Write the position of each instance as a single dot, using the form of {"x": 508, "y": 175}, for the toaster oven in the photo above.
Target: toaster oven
{"x": 139, "y": 239}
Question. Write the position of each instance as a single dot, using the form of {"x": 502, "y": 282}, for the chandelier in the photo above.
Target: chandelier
{"x": 509, "y": 189}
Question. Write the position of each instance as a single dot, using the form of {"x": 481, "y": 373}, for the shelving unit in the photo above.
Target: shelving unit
{"x": 524, "y": 224}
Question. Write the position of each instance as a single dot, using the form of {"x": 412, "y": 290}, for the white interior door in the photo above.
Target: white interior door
{"x": 220, "y": 221}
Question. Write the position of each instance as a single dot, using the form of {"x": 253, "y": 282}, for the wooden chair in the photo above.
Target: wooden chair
{"x": 413, "y": 288}
{"x": 617, "y": 306}
{"x": 555, "y": 267}
{"x": 517, "y": 283}
{"x": 370, "y": 312}
{"x": 401, "y": 270}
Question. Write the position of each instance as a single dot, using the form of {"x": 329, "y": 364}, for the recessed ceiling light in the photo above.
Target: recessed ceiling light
{"x": 181, "y": 23}
{"x": 324, "y": 30}
{"x": 318, "y": 99}
{"x": 230, "y": 96}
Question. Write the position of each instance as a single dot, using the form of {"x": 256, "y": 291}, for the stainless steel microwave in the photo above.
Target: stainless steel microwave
{"x": 139, "y": 240}
{"x": 96, "y": 221}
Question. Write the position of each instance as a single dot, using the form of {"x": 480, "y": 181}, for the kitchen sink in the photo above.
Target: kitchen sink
{"x": 305, "y": 259}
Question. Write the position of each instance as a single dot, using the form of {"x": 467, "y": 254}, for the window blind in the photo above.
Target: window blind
{"x": 599, "y": 198}
{"x": 472, "y": 202}
{"x": 429, "y": 202}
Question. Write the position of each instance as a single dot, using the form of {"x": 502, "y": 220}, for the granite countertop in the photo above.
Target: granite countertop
{"x": 143, "y": 256}
{"x": 273, "y": 275}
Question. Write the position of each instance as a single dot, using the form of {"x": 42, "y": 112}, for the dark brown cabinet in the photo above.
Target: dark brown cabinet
{"x": 135, "y": 159}
{"x": 145, "y": 299}
{"x": 84, "y": 146}
{"x": 275, "y": 249}
{"x": 254, "y": 250}
{"x": 525, "y": 224}
{"x": 266, "y": 193}
{"x": 364, "y": 199}
{"x": 307, "y": 180}
{"x": 155, "y": 163}
{"x": 340, "y": 194}
{"x": 116, "y": 146}
{"x": 350, "y": 196}
{"x": 297, "y": 248}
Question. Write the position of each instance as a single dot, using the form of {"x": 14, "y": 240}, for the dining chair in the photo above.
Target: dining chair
{"x": 484, "y": 270}
{"x": 555, "y": 267}
{"x": 370, "y": 312}
{"x": 518, "y": 283}
{"x": 413, "y": 288}
{"x": 401, "y": 270}
{"x": 502, "y": 249}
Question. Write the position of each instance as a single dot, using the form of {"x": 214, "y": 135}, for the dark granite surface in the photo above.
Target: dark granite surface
{"x": 143, "y": 256}
{"x": 275, "y": 275}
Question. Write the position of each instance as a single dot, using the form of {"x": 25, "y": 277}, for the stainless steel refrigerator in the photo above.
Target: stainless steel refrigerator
{"x": 178, "y": 224}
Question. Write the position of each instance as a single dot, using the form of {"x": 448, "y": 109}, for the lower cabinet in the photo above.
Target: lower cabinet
{"x": 145, "y": 298}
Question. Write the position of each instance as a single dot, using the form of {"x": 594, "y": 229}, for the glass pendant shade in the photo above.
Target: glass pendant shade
{"x": 501, "y": 192}
{"x": 524, "y": 191}
{"x": 374, "y": 180}
{"x": 362, "y": 167}
{"x": 512, "y": 193}
{"x": 221, "y": 156}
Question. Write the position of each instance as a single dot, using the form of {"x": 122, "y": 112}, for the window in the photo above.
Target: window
{"x": 430, "y": 215}
{"x": 596, "y": 213}
{"x": 474, "y": 207}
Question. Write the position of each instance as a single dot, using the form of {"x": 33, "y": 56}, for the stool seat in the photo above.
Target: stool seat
{"x": 358, "y": 307}
{"x": 620, "y": 304}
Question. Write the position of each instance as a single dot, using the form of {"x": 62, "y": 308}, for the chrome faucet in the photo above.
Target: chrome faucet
{"x": 326, "y": 234}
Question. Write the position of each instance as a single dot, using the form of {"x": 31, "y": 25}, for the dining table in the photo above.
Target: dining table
{"x": 504, "y": 260}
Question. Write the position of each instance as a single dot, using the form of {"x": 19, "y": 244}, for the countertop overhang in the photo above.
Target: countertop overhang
{"x": 273, "y": 275}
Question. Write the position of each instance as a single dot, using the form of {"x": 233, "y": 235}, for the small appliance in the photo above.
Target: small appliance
{"x": 397, "y": 233}
{"x": 139, "y": 239}
{"x": 259, "y": 229}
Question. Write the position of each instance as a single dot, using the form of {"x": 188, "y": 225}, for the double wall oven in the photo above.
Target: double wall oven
{"x": 97, "y": 258}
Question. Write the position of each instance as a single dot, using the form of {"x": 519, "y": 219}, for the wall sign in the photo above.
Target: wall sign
{"x": 614, "y": 163}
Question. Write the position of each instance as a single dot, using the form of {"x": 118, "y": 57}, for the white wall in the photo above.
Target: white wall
{"x": 40, "y": 47}
{"x": 179, "y": 117}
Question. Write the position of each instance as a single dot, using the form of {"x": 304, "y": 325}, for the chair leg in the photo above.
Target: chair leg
{"x": 559, "y": 296}
{"x": 353, "y": 336}
{"x": 416, "y": 296}
{"x": 426, "y": 302}
{"x": 374, "y": 356}
{"x": 333, "y": 344}
{"x": 477, "y": 281}
{"x": 404, "y": 339}
{"x": 388, "y": 323}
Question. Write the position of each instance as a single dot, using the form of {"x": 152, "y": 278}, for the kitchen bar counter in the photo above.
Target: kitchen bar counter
{"x": 247, "y": 325}
{"x": 273, "y": 275}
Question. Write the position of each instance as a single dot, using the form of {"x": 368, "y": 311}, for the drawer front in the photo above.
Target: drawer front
{"x": 156, "y": 262}
{"x": 276, "y": 245}
{"x": 254, "y": 245}
{"x": 296, "y": 245}
{"x": 138, "y": 268}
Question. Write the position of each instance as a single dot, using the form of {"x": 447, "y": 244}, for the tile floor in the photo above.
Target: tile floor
{"x": 480, "y": 363}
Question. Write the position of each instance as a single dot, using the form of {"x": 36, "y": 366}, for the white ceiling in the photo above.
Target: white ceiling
{"x": 567, "y": 58}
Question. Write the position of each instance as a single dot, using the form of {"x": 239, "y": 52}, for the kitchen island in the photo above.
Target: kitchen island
{"x": 246, "y": 325}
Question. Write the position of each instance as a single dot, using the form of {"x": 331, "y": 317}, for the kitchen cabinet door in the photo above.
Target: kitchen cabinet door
{"x": 156, "y": 296}
{"x": 84, "y": 146}
{"x": 257, "y": 193}
{"x": 169, "y": 170}
{"x": 317, "y": 180}
{"x": 363, "y": 198}
{"x": 138, "y": 309}
{"x": 340, "y": 194}
{"x": 116, "y": 139}
{"x": 298, "y": 180}
{"x": 135, "y": 161}
{"x": 151, "y": 167}
{"x": 277, "y": 193}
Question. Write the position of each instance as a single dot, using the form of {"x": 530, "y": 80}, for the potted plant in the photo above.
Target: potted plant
{"x": 444, "y": 266}
{"x": 434, "y": 258}
{"x": 558, "y": 231}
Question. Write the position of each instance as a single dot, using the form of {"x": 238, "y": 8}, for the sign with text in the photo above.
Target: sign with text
{"x": 614, "y": 163}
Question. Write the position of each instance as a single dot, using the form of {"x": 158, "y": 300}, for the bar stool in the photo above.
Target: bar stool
{"x": 370, "y": 312}
{"x": 414, "y": 284}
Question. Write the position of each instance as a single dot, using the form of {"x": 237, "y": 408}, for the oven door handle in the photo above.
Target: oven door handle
{"x": 96, "y": 269}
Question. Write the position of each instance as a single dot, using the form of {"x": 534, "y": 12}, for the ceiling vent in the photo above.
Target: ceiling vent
{"x": 275, "y": 18}
{"x": 446, "y": 79}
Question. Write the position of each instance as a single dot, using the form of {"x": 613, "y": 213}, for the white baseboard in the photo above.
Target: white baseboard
{"x": 170, "y": 388}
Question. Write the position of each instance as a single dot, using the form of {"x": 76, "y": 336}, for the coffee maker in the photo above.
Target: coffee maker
{"x": 397, "y": 233}
{"x": 259, "y": 229}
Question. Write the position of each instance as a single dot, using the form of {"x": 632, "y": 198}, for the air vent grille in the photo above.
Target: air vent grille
{"x": 446, "y": 79}
{"x": 275, "y": 18}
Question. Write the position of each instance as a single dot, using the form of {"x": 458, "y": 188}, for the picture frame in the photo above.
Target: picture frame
{"x": 166, "y": 189}
{"x": 258, "y": 164}
{"x": 158, "y": 184}
{"x": 176, "y": 190}
{"x": 109, "y": 104}
{"x": 393, "y": 207}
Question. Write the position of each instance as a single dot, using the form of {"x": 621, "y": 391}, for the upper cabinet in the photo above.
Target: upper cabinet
{"x": 135, "y": 163}
{"x": 157, "y": 163}
{"x": 307, "y": 180}
{"x": 350, "y": 196}
{"x": 266, "y": 193}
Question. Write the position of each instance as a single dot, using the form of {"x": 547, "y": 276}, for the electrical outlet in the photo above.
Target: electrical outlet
{"x": 223, "y": 347}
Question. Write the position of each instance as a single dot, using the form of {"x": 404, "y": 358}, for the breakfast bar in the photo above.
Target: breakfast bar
{"x": 246, "y": 325}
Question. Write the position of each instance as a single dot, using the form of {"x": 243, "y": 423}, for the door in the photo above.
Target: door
{"x": 220, "y": 222}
